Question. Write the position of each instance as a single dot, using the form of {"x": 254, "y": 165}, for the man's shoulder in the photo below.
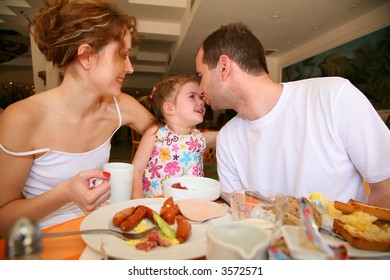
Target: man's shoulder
{"x": 321, "y": 86}
{"x": 320, "y": 81}
{"x": 231, "y": 123}
{"x": 231, "y": 127}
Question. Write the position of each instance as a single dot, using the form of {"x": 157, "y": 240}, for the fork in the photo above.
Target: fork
{"x": 122, "y": 235}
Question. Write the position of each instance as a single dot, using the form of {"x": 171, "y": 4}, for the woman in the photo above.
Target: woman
{"x": 53, "y": 144}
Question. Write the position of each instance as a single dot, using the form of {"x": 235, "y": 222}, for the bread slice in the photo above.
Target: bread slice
{"x": 354, "y": 206}
{"x": 357, "y": 241}
{"x": 292, "y": 211}
{"x": 367, "y": 241}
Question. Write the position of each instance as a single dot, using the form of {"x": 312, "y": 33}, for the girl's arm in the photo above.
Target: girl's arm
{"x": 211, "y": 138}
{"x": 141, "y": 159}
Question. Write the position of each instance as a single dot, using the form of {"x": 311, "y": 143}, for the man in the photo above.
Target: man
{"x": 315, "y": 135}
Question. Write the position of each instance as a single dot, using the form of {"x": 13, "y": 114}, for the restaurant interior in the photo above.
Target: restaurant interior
{"x": 171, "y": 31}
{"x": 292, "y": 32}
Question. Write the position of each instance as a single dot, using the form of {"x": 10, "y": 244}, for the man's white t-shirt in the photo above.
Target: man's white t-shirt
{"x": 323, "y": 135}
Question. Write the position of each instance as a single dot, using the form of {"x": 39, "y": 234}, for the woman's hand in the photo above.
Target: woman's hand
{"x": 82, "y": 190}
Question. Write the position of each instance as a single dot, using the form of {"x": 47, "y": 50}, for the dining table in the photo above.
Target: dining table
{"x": 73, "y": 247}
{"x": 69, "y": 247}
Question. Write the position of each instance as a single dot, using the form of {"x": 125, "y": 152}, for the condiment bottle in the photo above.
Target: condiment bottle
{"x": 24, "y": 240}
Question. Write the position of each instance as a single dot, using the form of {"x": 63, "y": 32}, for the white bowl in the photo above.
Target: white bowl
{"x": 198, "y": 188}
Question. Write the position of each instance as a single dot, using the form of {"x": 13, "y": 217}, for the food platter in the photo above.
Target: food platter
{"x": 352, "y": 251}
{"x": 117, "y": 248}
{"x": 355, "y": 252}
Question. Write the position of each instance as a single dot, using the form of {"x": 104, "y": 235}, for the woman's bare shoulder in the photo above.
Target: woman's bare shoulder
{"x": 133, "y": 113}
{"x": 19, "y": 120}
{"x": 125, "y": 100}
{"x": 22, "y": 110}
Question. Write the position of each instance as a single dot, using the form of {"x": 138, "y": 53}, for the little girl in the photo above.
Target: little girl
{"x": 173, "y": 147}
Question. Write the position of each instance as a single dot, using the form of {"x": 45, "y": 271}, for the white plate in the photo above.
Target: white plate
{"x": 117, "y": 248}
{"x": 355, "y": 252}
{"x": 291, "y": 234}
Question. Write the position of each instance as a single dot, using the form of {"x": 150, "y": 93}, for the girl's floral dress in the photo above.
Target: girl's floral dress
{"x": 173, "y": 155}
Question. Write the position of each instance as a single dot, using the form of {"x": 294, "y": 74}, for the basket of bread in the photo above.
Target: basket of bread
{"x": 364, "y": 226}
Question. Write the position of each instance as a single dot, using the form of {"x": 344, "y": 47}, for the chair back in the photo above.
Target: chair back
{"x": 209, "y": 156}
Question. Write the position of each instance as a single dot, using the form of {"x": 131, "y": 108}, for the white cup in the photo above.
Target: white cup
{"x": 121, "y": 180}
{"x": 236, "y": 240}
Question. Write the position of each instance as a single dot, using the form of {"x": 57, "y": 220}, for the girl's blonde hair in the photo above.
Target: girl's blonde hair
{"x": 166, "y": 90}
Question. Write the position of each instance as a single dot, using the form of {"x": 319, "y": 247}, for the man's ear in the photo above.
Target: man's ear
{"x": 224, "y": 66}
{"x": 83, "y": 55}
{"x": 168, "y": 108}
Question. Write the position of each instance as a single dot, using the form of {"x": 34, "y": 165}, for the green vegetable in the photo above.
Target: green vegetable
{"x": 164, "y": 226}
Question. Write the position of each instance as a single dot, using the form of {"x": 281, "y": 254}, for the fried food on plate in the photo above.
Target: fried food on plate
{"x": 364, "y": 226}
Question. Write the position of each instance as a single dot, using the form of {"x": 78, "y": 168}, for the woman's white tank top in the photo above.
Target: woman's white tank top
{"x": 55, "y": 167}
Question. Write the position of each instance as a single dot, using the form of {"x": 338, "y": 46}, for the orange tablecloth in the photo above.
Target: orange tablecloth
{"x": 61, "y": 248}
{"x": 58, "y": 248}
